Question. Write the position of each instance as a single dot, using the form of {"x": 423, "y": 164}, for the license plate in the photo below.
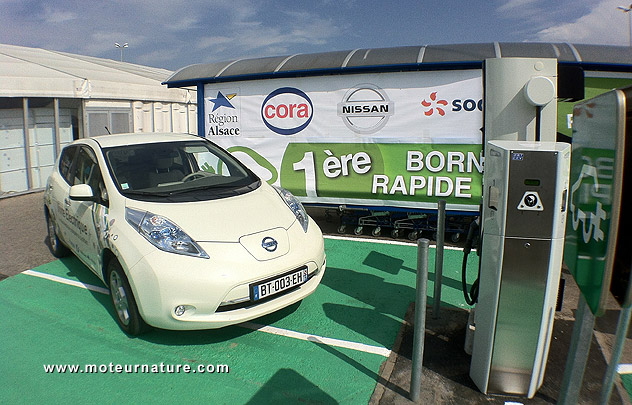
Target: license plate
{"x": 278, "y": 284}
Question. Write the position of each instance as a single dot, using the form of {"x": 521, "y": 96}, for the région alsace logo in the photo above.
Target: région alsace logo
{"x": 287, "y": 111}
{"x": 222, "y": 116}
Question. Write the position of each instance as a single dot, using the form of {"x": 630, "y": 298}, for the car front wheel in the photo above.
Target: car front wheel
{"x": 127, "y": 314}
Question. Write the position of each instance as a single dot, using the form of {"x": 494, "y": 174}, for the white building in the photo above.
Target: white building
{"x": 49, "y": 98}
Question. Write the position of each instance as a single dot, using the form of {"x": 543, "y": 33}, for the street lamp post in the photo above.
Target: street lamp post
{"x": 627, "y": 10}
{"x": 116, "y": 44}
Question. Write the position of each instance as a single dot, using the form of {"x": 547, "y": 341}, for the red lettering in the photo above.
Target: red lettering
{"x": 303, "y": 111}
{"x": 287, "y": 111}
{"x": 282, "y": 111}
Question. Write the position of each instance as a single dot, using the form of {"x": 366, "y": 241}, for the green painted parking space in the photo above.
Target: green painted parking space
{"x": 626, "y": 380}
{"x": 362, "y": 299}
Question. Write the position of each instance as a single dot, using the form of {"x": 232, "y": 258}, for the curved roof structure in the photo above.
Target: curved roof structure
{"x": 34, "y": 72}
{"x": 429, "y": 57}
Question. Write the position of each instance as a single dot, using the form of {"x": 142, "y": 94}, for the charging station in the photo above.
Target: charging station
{"x": 523, "y": 237}
{"x": 525, "y": 187}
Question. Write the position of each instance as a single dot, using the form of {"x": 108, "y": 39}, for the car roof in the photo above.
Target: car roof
{"x": 106, "y": 141}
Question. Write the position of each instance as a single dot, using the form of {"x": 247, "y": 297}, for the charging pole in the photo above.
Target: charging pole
{"x": 420, "y": 318}
{"x": 523, "y": 220}
{"x": 622, "y": 332}
{"x": 577, "y": 354}
{"x": 436, "y": 304}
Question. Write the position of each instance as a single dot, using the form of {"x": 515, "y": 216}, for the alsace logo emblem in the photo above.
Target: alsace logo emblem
{"x": 434, "y": 105}
{"x": 269, "y": 244}
{"x": 287, "y": 111}
{"x": 222, "y": 101}
{"x": 365, "y": 109}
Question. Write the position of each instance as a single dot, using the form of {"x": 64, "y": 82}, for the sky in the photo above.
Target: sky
{"x": 176, "y": 33}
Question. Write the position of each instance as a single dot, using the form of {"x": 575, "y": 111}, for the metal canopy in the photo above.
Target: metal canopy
{"x": 429, "y": 57}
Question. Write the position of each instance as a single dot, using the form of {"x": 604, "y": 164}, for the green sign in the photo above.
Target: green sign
{"x": 594, "y": 200}
{"x": 411, "y": 173}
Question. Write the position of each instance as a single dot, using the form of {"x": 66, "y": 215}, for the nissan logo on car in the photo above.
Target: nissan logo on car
{"x": 365, "y": 109}
{"x": 269, "y": 244}
{"x": 287, "y": 111}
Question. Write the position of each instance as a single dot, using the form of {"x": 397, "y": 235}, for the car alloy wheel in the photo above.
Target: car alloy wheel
{"x": 119, "y": 298}
{"x": 127, "y": 314}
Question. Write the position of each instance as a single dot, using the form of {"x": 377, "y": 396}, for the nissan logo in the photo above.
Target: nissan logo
{"x": 269, "y": 244}
{"x": 365, "y": 109}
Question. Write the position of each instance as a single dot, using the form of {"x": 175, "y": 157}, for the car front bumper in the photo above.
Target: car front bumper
{"x": 215, "y": 292}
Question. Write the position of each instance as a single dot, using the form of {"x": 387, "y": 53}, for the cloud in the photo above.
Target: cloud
{"x": 170, "y": 33}
{"x": 183, "y": 24}
{"x": 604, "y": 24}
{"x": 574, "y": 21}
{"x": 520, "y": 10}
{"x": 516, "y": 5}
{"x": 250, "y": 38}
{"x": 56, "y": 17}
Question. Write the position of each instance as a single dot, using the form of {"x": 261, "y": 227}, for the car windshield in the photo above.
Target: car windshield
{"x": 182, "y": 171}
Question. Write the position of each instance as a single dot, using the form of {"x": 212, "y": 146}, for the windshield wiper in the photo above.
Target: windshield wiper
{"x": 236, "y": 187}
{"x": 200, "y": 188}
{"x": 147, "y": 193}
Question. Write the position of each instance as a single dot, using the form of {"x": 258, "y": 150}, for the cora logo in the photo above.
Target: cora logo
{"x": 287, "y": 111}
{"x": 434, "y": 104}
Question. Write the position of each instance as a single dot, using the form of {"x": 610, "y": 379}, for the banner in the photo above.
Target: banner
{"x": 402, "y": 139}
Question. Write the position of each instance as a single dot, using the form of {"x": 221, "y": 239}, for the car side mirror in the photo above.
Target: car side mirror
{"x": 82, "y": 192}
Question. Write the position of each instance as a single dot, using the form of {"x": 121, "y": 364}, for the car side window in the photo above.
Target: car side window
{"x": 85, "y": 168}
{"x": 65, "y": 163}
{"x": 87, "y": 172}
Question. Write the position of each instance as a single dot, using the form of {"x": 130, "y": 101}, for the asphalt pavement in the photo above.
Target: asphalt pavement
{"x": 23, "y": 243}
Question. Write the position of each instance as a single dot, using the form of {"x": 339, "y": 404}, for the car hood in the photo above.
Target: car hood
{"x": 227, "y": 219}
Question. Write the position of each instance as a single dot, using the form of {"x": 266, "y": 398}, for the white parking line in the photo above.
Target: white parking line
{"x": 62, "y": 280}
{"x": 382, "y": 351}
{"x": 624, "y": 369}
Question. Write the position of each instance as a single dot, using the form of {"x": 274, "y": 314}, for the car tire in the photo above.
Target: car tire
{"x": 125, "y": 308}
{"x": 57, "y": 247}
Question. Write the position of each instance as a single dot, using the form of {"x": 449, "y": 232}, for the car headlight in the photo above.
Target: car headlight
{"x": 295, "y": 206}
{"x": 163, "y": 233}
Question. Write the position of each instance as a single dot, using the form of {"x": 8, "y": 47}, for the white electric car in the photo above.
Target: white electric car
{"x": 185, "y": 235}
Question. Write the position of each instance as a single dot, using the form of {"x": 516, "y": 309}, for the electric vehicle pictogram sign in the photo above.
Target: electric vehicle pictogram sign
{"x": 592, "y": 245}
